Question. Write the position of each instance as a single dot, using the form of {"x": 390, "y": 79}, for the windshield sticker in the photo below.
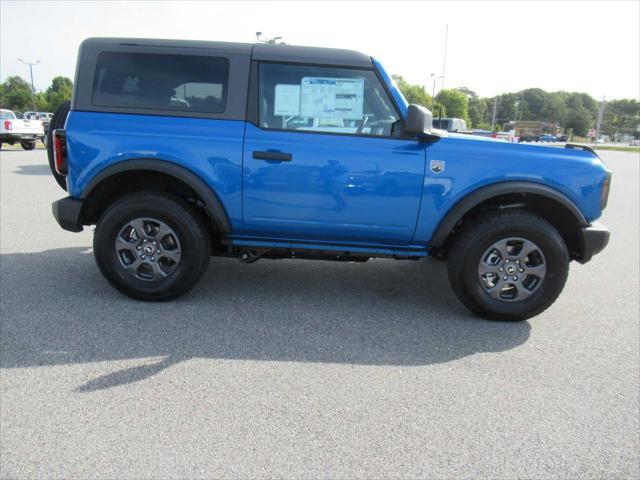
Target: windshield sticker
{"x": 332, "y": 97}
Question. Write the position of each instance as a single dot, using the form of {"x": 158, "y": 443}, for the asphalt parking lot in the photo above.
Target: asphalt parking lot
{"x": 308, "y": 369}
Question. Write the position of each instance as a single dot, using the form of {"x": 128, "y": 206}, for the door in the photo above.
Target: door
{"x": 325, "y": 161}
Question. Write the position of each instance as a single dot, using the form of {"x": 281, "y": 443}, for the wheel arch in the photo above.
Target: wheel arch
{"x": 542, "y": 200}
{"x": 185, "y": 180}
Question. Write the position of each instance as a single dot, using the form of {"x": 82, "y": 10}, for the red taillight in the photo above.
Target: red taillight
{"x": 60, "y": 151}
{"x": 7, "y": 125}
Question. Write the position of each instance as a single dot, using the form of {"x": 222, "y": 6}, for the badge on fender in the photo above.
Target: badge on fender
{"x": 437, "y": 166}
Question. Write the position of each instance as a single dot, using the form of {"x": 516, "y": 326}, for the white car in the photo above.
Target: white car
{"x": 13, "y": 130}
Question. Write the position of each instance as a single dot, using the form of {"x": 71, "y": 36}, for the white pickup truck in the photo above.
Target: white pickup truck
{"x": 13, "y": 130}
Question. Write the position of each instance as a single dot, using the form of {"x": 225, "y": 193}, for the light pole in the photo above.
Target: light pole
{"x": 515, "y": 121}
{"x": 33, "y": 88}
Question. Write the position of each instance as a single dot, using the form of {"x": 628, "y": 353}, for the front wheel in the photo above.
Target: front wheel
{"x": 152, "y": 246}
{"x": 28, "y": 145}
{"x": 508, "y": 265}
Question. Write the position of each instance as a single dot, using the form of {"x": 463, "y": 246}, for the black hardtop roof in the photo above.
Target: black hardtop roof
{"x": 258, "y": 51}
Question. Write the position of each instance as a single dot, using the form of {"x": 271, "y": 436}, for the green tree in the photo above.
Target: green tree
{"x": 477, "y": 107}
{"x": 554, "y": 109}
{"x": 15, "y": 94}
{"x": 413, "y": 93}
{"x": 58, "y": 92}
{"x": 621, "y": 117}
{"x": 42, "y": 105}
{"x": 579, "y": 121}
{"x": 455, "y": 103}
{"x": 482, "y": 126}
{"x": 581, "y": 112}
{"x": 532, "y": 102}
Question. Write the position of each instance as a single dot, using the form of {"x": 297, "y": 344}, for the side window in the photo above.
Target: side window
{"x": 324, "y": 99}
{"x": 154, "y": 81}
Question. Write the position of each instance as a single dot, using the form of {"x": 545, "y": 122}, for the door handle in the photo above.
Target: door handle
{"x": 273, "y": 156}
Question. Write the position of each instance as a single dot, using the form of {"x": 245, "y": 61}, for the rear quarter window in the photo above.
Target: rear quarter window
{"x": 150, "y": 81}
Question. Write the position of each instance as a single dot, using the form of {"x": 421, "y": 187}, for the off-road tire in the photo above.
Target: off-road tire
{"x": 28, "y": 145}
{"x": 478, "y": 235}
{"x": 187, "y": 223}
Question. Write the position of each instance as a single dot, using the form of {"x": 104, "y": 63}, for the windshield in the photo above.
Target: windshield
{"x": 6, "y": 115}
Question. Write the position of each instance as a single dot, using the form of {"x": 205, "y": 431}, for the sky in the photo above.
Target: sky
{"x": 493, "y": 47}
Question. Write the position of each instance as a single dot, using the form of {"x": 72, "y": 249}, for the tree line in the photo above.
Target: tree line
{"x": 16, "y": 95}
{"x": 575, "y": 112}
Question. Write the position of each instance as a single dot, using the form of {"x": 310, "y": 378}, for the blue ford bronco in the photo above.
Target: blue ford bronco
{"x": 180, "y": 150}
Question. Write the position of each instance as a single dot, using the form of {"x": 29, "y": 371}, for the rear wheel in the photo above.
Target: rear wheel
{"x": 57, "y": 121}
{"x": 28, "y": 145}
{"x": 152, "y": 246}
{"x": 508, "y": 265}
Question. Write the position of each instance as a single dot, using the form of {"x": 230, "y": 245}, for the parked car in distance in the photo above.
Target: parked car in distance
{"x": 547, "y": 138}
{"x": 14, "y": 130}
{"x": 450, "y": 124}
{"x": 37, "y": 115}
{"x": 504, "y": 136}
{"x": 277, "y": 151}
{"x": 44, "y": 117}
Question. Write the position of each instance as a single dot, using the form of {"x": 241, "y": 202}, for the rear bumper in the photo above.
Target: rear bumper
{"x": 20, "y": 137}
{"x": 593, "y": 239}
{"x": 68, "y": 213}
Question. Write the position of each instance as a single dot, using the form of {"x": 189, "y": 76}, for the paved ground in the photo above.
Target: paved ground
{"x": 308, "y": 369}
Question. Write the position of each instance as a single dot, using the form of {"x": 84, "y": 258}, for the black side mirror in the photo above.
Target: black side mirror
{"x": 419, "y": 120}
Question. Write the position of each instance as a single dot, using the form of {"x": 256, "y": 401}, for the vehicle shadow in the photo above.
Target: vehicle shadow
{"x": 57, "y": 309}
{"x": 33, "y": 169}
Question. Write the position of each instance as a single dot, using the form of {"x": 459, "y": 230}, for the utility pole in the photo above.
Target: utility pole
{"x": 515, "y": 121}
{"x": 599, "y": 122}
{"x": 495, "y": 109}
{"x": 33, "y": 88}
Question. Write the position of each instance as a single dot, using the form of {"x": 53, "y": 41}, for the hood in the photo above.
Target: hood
{"x": 479, "y": 138}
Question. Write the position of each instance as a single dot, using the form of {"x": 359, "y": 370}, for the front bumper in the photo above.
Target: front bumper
{"x": 593, "y": 239}
{"x": 68, "y": 213}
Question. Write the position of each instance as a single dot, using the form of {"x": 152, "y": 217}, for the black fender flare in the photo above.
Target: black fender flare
{"x": 213, "y": 206}
{"x": 455, "y": 213}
